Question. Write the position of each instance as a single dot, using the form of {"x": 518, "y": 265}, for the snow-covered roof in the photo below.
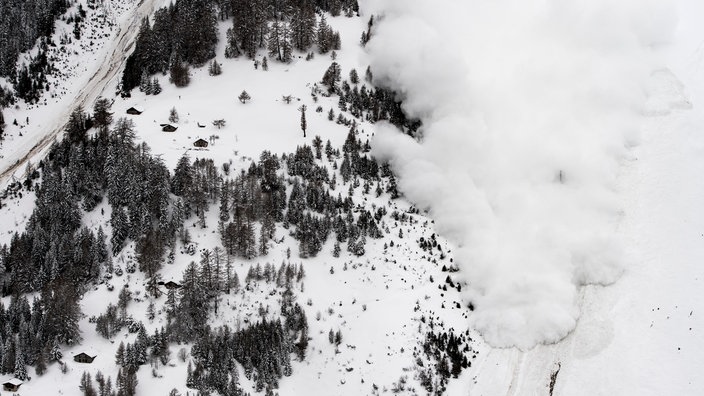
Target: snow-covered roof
{"x": 90, "y": 352}
{"x": 14, "y": 381}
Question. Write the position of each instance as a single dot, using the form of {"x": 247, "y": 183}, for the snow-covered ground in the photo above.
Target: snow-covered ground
{"x": 376, "y": 300}
{"x": 265, "y": 122}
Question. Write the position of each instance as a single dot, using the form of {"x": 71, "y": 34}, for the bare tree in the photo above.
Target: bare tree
{"x": 219, "y": 123}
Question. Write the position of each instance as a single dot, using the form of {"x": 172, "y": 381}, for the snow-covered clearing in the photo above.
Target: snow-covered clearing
{"x": 265, "y": 122}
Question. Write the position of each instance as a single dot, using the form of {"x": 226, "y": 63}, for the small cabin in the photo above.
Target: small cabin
{"x": 12, "y": 385}
{"x": 168, "y": 128}
{"x": 134, "y": 111}
{"x": 201, "y": 143}
{"x": 201, "y": 125}
{"x": 171, "y": 285}
{"x": 84, "y": 357}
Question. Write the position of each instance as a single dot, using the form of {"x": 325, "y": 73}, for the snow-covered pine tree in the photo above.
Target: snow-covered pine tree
{"x": 144, "y": 81}
{"x": 173, "y": 115}
{"x": 156, "y": 86}
{"x": 214, "y": 69}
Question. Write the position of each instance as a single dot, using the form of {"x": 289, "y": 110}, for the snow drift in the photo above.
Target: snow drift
{"x": 528, "y": 107}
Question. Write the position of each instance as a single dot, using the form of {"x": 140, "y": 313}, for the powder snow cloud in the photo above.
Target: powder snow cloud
{"x": 528, "y": 107}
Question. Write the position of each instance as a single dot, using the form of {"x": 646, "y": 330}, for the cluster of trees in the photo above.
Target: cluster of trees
{"x": 115, "y": 317}
{"x": 283, "y": 277}
{"x": 21, "y": 23}
{"x": 53, "y": 246}
{"x": 126, "y": 384}
{"x": 151, "y": 86}
{"x": 31, "y": 335}
{"x": 280, "y": 27}
{"x": 258, "y": 199}
{"x": 183, "y": 33}
{"x": 263, "y": 350}
{"x": 450, "y": 353}
{"x": 370, "y": 104}
{"x": 80, "y": 170}
{"x": 30, "y": 80}
{"x": 429, "y": 245}
{"x": 77, "y": 19}
{"x": 145, "y": 349}
{"x": 7, "y": 97}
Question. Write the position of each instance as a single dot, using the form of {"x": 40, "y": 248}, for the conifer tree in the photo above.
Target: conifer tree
{"x": 214, "y": 69}
{"x": 20, "y": 371}
{"x": 323, "y": 35}
{"x": 244, "y": 97}
{"x": 144, "y": 82}
{"x": 2, "y": 125}
{"x": 126, "y": 382}
{"x": 86, "y": 385}
{"x": 354, "y": 77}
{"x": 156, "y": 86}
{"x": 179, "y": 73}
{"x": 62, "y": 313}
{"x": 304, "y": 124}
{"x": 102, "y": 118}
{"x": 55, "y": 354}
{"x": 173, "y": 115}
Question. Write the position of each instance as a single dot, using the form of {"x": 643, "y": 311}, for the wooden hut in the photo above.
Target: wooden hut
{"x": 134, "y": 111}
{"x": 171, "y": 285}
{"x": 12, "y": 385}
{"x": 168, "y": 128}
{"x": 201, "y": 143}
{"x": 84, "y": 357}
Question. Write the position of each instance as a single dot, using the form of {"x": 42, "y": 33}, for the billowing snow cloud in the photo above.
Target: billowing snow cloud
{"x": 528, "y": 107}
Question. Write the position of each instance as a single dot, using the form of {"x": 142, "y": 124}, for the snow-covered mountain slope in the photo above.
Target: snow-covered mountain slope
{"x": 383, "y": 303}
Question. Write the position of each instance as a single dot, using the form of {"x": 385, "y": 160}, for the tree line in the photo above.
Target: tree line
{"x": 185, "y": 33}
